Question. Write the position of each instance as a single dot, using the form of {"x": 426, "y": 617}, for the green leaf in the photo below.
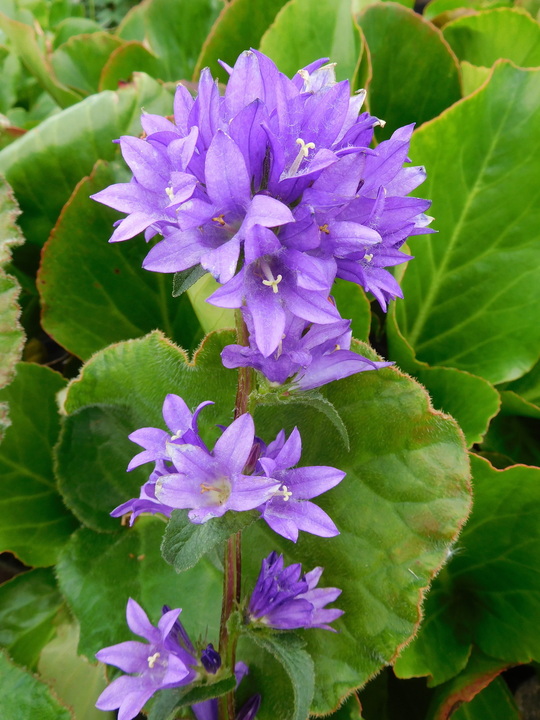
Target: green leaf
{"x": 23, "y": 39}
{"x": 515, "y": 438}
{"x": 350, "y": 710}
{"x": 174, "y": 32}
{"x": 168, "y": 702}
{"x": 95, "y": 293}
{"x": 496, "y": 702}
{"x": 472, "y": 77}
{"x": 436, "y": 8}
{"x": 481, "y": 672}
{"x": 90, "y": 461}
{"x": 353, "y": 303}
{"x": 79, "y": 61}
{"x": 120, "y": 390}
{"x": 419, "y": 90}
{"x": 288, "y": 650}
{"x": 73, "y": 679}
{"x": 315, "y": 400}
{"x": 99, "y": 572}
{"x": 359, "y": 5}
{"x": 484, "y": 37}
{"x": 469, "y": 398}
{"x": 240, "y": 25}
{"x": 184, "y": 543}
{"x": 528, "y": 389}
{"x": 486, "y": 597}
{"x": 28, "y": 606}
{"x": 182, "y": 281}
{"x": 210, "y": 317}
{"x": 36, "y": 523}
{"x": 305, "y": 30}
{"x": 63, "y": 149}
{"x": 74, "y": 26}
{"x": 400, "y": 506}
{"x": 130, "y": 57}
{"x": 468, "y": 305}
{"x": 11, "y": 333}
{"x": 23, "y": 696}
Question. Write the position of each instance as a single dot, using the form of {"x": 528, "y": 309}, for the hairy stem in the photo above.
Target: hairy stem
{"x": 232, "y": 576}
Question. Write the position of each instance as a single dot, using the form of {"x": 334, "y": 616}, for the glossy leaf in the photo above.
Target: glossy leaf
{"x": 474, "y": 305}
{"x": 483, "y": 38}
{"x": 24, "y": 41}
{"x": 22, "y": 695}
{"x": 36, "y": 523}
{"x": 128, "y": 58}
{"x": 469, "y": 398}
{"x": 79, "y": 61}
{"x": 28, "y": 605}
{"x": 435, "y": 9}
{"x": 44, "y": 165}
{"x": 419, "y": 90}
{"x": 472, "y": 77}
{"x": 353, "y": 303}
{"x": 99, "y": 572}
{"x": 184, "y": 543}
{"x": 240, "y": 25}
{"x": 11, "y": 333}
{"x": 95, "y": 293}
{"x": 175, "y": 32}
{"x": 525, "y": 392}
{"x": 486, "y": 596}
{"x": 515, "y": 438}
{"x": 304, "y": 30}
{"x": 209, "y": 316}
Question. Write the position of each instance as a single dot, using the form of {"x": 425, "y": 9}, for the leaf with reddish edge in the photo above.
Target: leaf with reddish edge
{"x": 480, "y": 671}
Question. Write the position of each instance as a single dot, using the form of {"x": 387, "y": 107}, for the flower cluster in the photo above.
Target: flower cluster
{"x": 284, "y": 598}
{"x": 273, "y": 189}
{"x": 168, "y": 660}
{"x": 239, "y": 474}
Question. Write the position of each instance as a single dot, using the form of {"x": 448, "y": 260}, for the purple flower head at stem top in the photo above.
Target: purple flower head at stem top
{"x": 273, "y": 189}
{"x": 160, "y": 663}
{"x": 289, "y": 510}
{"x": 285, "y": 599}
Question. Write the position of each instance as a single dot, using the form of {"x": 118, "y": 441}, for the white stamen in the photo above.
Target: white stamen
{"x": 152, "y": 660}
{"x": 170, "y": 192}
{"x": 368, "y": 257}
{"x": 302, "y": 153}
{"x": 270, "y": 281}
{"x": 284, "y": 492}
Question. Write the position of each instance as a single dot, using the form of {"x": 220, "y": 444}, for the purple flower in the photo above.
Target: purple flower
{"x": 183, "y": 429}
{"x": 285, "y": 599}
{"x": 210, "y": 484}
{"x": 290, "y": 510}
{"x": 309, "y": 355}
{"x": 160, "y": 663}
{"x": 274, "y": 164}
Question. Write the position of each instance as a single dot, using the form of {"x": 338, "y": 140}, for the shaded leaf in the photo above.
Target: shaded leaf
{"x": 44, "y": 165}
{"x": 182, "y": 281}
{"x": 474, "y": 305}
{"x": 486, "y": 596}
{"x": 99, "y": 572}
{"x": 494, "y": 703}
{"x": 79, "y": 61}
{"x": 23, "y": 696}
{"x": 288, "y": 650}
{"x": 130, "y": 57}
{"x": 210, "y": 317}
{"x": 419, "y": 90}
{"x": 95, "y": 293}
{"x": 168, "y": 702}
{"x": 28, "y": 605}
{"x": 36, "y": 523}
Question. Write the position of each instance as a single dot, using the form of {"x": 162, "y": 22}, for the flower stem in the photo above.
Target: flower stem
{"x": 232, "y": 575}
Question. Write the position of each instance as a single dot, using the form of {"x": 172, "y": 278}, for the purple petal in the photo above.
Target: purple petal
{"x": 131, "y": 226}
{"x": 227, "y": 179}
{"x": 308, "y": 482}
{"x": 130, "y": 656}
{"x": 232, "y": 449}
{"x": 139, "y": 623}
